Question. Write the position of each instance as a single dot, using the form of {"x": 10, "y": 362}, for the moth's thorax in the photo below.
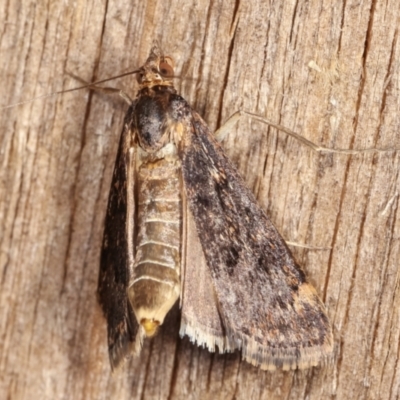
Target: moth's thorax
{"x": 154, "y": 124}
{"x": 156, "y": 282}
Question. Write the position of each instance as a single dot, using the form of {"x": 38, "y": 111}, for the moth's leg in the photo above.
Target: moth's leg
{"x": 228, "y": 125}
{"x": 106, "y": 89}
{"x": 234, "y": 118}
{"x": 303, "y": 246}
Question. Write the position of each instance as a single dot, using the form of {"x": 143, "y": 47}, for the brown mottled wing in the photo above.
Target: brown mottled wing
{"x": 114, "y": 266}
{"x": 267, "y": 307}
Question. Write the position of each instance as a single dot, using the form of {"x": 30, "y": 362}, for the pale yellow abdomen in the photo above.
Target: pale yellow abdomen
{"x": 157, "y": 252}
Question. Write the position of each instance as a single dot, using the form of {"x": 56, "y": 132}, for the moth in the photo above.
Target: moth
{"x": 182, "y": 225}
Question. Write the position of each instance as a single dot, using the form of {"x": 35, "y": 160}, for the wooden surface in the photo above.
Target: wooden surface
{"x": 325, "y": 69}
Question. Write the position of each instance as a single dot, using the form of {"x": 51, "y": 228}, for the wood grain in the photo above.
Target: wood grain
{"x": 328, "y": 70}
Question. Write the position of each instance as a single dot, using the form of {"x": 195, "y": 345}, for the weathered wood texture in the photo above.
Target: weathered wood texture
{"x": 325, "y": 69}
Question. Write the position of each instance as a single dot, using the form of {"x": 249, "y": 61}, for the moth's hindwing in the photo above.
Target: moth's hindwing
{"x": 115, "y": 275}
{"x": 201, "y": 320}
{"x": 265, "y": 304}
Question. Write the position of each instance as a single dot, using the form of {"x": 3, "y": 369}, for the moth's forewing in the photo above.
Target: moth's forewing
{"x": 266, "y": 305}
{"x": 114, "y": 275}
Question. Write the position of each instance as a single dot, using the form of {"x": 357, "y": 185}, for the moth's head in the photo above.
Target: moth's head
{"x": 158, "y": 70}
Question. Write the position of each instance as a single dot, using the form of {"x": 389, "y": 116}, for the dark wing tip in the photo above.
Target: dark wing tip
{"x": 119, "y": 352}
{"x": 126, "y": 344}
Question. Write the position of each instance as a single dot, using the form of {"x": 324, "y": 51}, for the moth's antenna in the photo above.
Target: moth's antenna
{"x": 88, "y": 85}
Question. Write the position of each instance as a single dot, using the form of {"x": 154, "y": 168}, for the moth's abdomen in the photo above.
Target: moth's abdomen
{"x": 156, "y": 284}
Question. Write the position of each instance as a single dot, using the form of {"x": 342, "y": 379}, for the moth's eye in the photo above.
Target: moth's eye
{"x": 166, "y": 70}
